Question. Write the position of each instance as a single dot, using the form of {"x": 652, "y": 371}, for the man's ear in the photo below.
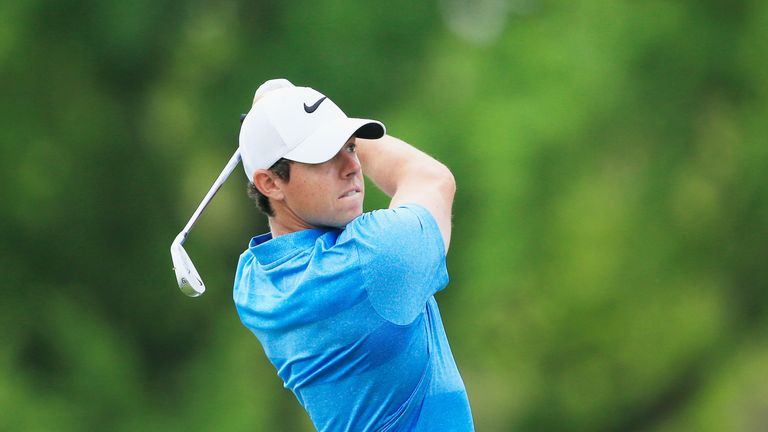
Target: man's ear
{"x": 266, "y": 182}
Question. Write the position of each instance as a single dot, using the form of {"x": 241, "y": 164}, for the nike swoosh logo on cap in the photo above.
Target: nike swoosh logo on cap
{"x": 310, "y": 109}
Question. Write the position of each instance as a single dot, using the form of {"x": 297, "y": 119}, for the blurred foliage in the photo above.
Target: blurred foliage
{"x": 610, "y": 225}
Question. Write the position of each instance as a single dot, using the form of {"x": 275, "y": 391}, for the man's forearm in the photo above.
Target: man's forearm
{"x": 390, "y": 162}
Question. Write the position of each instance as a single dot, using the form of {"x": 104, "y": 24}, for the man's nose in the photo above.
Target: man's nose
{"x": 351, "y": 164}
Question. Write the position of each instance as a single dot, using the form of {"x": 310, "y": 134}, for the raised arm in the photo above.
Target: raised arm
{"x": 408, "y": 175}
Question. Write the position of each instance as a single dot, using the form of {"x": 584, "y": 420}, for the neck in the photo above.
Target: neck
{"x": 286, "y": 222}
{"x": 277, "y": 229}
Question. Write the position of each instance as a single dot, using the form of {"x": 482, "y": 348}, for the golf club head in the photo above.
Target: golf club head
{"x": 187, "y": 277}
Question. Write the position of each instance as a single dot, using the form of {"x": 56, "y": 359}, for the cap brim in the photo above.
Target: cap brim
{"x": 328, "y": 140}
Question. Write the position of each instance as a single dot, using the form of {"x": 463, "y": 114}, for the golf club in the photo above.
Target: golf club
{"x": 187, "y": 277}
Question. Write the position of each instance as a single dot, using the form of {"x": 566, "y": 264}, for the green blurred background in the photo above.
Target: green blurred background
{"x": 610, "y": 224}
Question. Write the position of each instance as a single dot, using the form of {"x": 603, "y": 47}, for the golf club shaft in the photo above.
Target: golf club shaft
{"x": 233, "y": 162}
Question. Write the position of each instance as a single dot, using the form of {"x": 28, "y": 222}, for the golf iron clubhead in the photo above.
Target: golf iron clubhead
{"x": 187, "y": 276}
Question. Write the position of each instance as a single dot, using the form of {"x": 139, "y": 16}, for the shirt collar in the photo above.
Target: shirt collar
{"x": 267, "y": 250}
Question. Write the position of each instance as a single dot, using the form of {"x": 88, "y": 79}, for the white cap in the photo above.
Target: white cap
{"x": 296, "y": 123}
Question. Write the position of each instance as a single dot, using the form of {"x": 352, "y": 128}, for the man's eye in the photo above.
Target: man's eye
{"x": 351, "y": 148}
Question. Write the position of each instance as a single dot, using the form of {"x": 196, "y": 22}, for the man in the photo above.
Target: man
{"x": 341, "y": 300}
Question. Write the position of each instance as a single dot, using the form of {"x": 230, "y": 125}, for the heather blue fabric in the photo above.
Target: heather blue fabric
{"x": 348, "y": 319}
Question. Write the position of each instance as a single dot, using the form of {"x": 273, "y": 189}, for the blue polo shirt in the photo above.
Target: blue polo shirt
{"x": 348, "y": 319}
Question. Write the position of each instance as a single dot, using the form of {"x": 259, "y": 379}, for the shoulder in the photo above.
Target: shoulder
{"x": 408, "y": 225}
{"x": 402, "y": 259}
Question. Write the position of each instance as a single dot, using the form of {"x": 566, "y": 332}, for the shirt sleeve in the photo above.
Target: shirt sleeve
{"x": 402, "y": 259}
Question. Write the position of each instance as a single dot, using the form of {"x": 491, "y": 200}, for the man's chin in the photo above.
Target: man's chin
{"x": 354, "y": 216}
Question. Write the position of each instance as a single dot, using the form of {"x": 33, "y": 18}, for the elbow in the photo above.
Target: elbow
{"x": 446, "y": 181}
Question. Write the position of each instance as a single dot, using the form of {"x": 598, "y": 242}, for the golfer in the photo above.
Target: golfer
{"x": 341, "y": 300}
